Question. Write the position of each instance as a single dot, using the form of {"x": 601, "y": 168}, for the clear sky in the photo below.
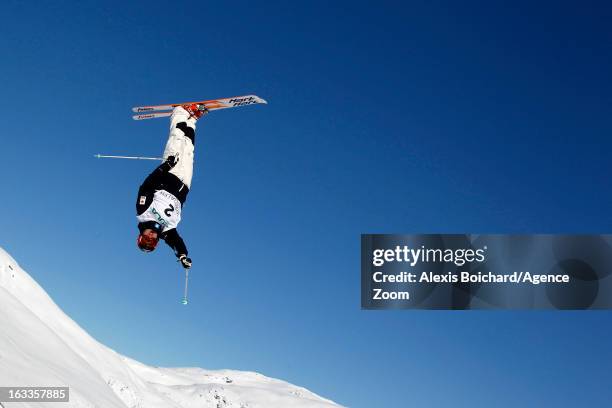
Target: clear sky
{"x": 383, "y": 117}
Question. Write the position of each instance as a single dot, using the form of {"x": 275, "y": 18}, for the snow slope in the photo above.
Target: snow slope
{"x": 41, "y": 346}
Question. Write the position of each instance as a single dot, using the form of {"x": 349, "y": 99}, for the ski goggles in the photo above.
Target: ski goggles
{"x": 146, "y": 244}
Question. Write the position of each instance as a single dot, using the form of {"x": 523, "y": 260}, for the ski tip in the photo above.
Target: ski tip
{"x": 97, "y": 156}
{"x": 257, "y": 99}
{"x": 184, "y": 302}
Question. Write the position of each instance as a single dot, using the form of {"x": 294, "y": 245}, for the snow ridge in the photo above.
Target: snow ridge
{"x": 41, "y": 346}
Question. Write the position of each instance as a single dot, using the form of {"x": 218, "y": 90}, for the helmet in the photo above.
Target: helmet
{"x": 147, "y": 243}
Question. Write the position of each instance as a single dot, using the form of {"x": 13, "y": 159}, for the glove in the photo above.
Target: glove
{"x": 172, "y": 160}
{"x": 185, "y": 261}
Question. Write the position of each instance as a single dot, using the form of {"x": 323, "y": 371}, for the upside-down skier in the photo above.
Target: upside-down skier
{"x": 163, "y": 193}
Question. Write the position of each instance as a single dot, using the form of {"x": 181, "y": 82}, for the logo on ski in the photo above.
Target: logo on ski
{"x": 150, "y": 116}
{"x": 242, "y": 101}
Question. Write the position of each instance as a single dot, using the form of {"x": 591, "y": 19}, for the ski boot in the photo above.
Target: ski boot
{"x": 195, "y": 110}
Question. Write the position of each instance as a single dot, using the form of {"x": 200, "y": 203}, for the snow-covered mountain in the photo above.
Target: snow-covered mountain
{"x": 41, "y": 346}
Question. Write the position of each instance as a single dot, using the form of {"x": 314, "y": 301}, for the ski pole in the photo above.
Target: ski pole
{"x": 186, "y": 283}
{"x": 106, "y": 156}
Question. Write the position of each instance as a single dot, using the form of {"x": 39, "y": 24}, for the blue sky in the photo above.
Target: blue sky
{"x": 386, "y": 117}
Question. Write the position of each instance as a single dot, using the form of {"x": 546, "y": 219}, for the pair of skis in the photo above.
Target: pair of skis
{"x": 154, "y": 111}
{"x": 162, "y": 111}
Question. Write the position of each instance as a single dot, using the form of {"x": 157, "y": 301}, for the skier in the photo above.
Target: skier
{"x": 163, "y": 193}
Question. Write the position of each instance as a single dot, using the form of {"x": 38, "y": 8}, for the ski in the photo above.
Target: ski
{"x": 151, "y": 112}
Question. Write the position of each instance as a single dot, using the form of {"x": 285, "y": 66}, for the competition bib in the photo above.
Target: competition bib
{"x": 164, "y": 210}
